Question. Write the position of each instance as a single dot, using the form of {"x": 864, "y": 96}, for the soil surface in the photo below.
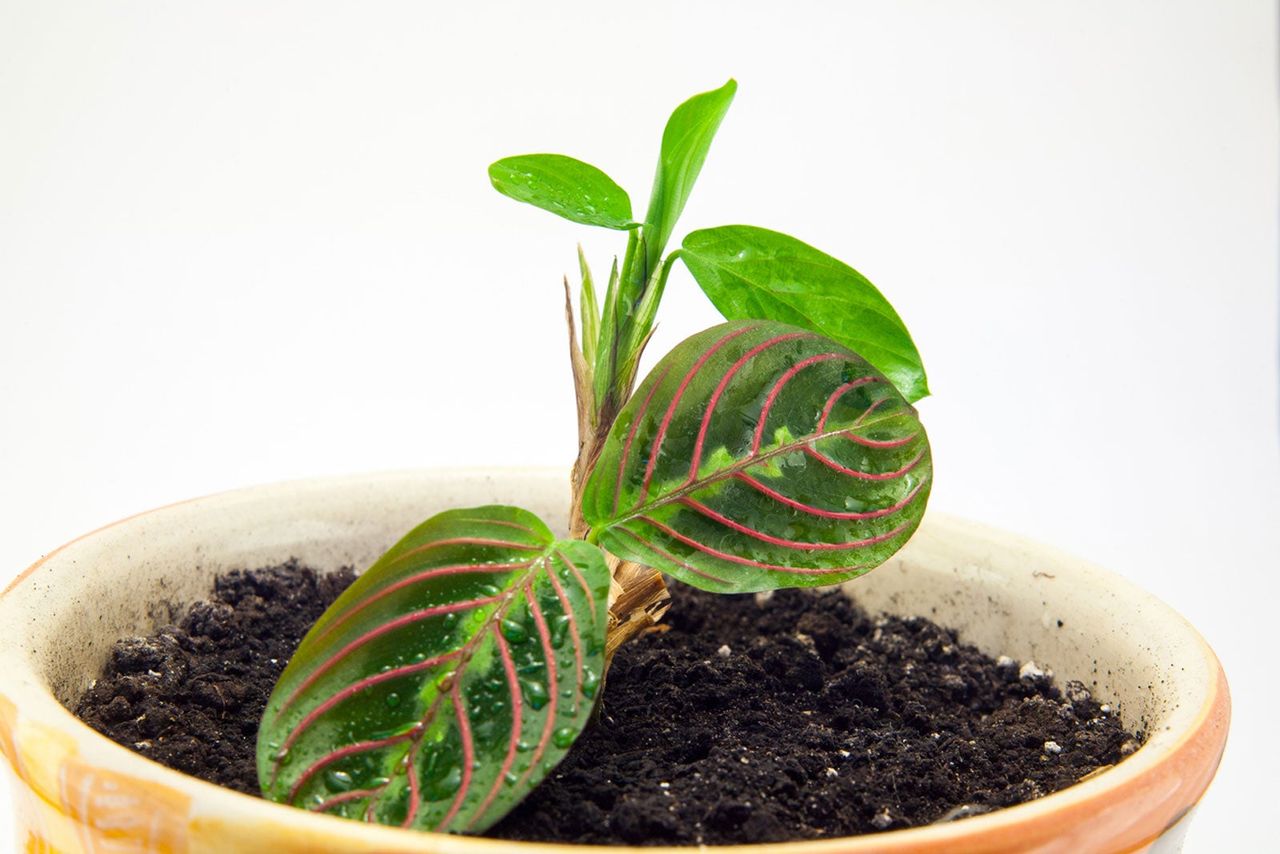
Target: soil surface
{"x": 752, "y": 719}
{"x": 190, "y": 696}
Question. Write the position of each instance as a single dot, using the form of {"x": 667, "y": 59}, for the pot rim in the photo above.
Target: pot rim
{"x": 1198, "y": 747}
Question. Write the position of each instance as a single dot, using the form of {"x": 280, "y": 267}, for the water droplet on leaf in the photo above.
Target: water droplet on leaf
{"x": 338, "y": 781}
{"x": 514, "y": 632}
{"x": 535, "y": 693}
{"x": 563, "y": 737}
{"x": 443, "y": 787}
{"x": 559, "y": 630}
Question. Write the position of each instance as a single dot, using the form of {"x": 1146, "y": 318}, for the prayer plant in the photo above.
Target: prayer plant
{"x": 779, "y": 449}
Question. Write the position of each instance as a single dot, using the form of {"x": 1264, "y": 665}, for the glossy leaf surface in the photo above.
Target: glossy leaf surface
{"x": 750, "y": 272}
{"x": 567, "y": 187}
{"x": 446, "y": 681}
{"x": 685, "y": 143}
{"x": 759, "y": 455}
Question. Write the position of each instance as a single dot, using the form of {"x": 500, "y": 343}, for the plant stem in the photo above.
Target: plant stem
{"x": 638, "y": 596}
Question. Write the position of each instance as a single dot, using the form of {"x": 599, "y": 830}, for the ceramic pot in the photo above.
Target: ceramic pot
{"x": 76, "y": 791}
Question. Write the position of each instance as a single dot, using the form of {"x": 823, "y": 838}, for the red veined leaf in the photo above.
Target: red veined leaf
{"x": 440, "y": 688}
{"x": 759, "y": 455}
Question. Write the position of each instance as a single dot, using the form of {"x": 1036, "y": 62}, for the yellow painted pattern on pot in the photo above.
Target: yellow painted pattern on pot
{"x": 114, "y": 811}
{"x": 67, "y": 804}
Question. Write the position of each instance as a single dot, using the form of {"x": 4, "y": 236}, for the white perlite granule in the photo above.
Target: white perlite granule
{"x": 1030, "y": 671}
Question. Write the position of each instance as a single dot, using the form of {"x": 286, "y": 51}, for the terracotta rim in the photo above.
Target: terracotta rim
{"x": 1178, "y": 774}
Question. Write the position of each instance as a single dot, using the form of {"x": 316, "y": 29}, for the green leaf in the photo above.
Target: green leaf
{"x": 589, "y": 310}
{"x": 685, "y": 143}
{"x": 607, "y": 339}
{"x": 570, "y": 188}
{"x": 759, "y": 455}
{"x": 751, "y": 272}
{"x": 443, "y": 685}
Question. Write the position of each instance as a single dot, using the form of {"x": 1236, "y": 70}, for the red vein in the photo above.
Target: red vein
{"x": 799, "y": 545}
{"x": 549, "y": 655}
{"x": 703, "y": 547}
{"x": 363, "y": 684}
{"x": 777, "y": 389}
{"x": 502, "y": 523}
{"x": 463, "y": 541}
{"x": 724, "y": 384}
{"x": 863, "y": 440}
{"x": 818, "y": 511}
{"x": 879, "y": 443}
{"x": 399, "y": 622}
{"x": 517, "y": 714}
{"x": 408, "y": 581}
{"x": 573, "y": 625}
{"x": 338, "y": 754}
{"x": 468, "y": 756}
{"x": 336, "y": 800}
{"x": 631, "y": 435}
{"x": 675, "y": 402}
{"x": 582, "y": 582}
{"x": 870, "y": 409}
{"x": 839, "y": 393}
{"x": 669, "y": 556}
{"x": 862, "y": 475}
{"x": 411, "y": 774}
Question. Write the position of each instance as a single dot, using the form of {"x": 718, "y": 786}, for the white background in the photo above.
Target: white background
{"x": 243, "y": 242}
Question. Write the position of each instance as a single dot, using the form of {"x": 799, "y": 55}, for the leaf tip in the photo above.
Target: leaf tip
{"x": 914, "y": 388}
{"x": 495, "y": 172}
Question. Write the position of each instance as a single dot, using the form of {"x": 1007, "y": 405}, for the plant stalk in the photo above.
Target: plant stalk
{"x": 638, "y": 597}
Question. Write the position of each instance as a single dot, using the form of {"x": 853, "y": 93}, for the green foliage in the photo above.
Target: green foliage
{"x": 779, "y": 449}
{"x": 746, "y": 271}
{"x": 589, "y": 311}
{"x": 754, "y": 273}
{"x": 685, "y": 143}
{"x": 569, "y": 188}
{"x": 759, "y": 455}
{"x": 444, "y": 684}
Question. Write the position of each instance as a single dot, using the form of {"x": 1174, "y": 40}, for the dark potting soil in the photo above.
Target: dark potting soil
{"x": 750, "y": 719}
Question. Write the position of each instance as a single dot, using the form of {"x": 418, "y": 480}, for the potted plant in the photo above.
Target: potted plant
{"x": 777, "y": 450}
